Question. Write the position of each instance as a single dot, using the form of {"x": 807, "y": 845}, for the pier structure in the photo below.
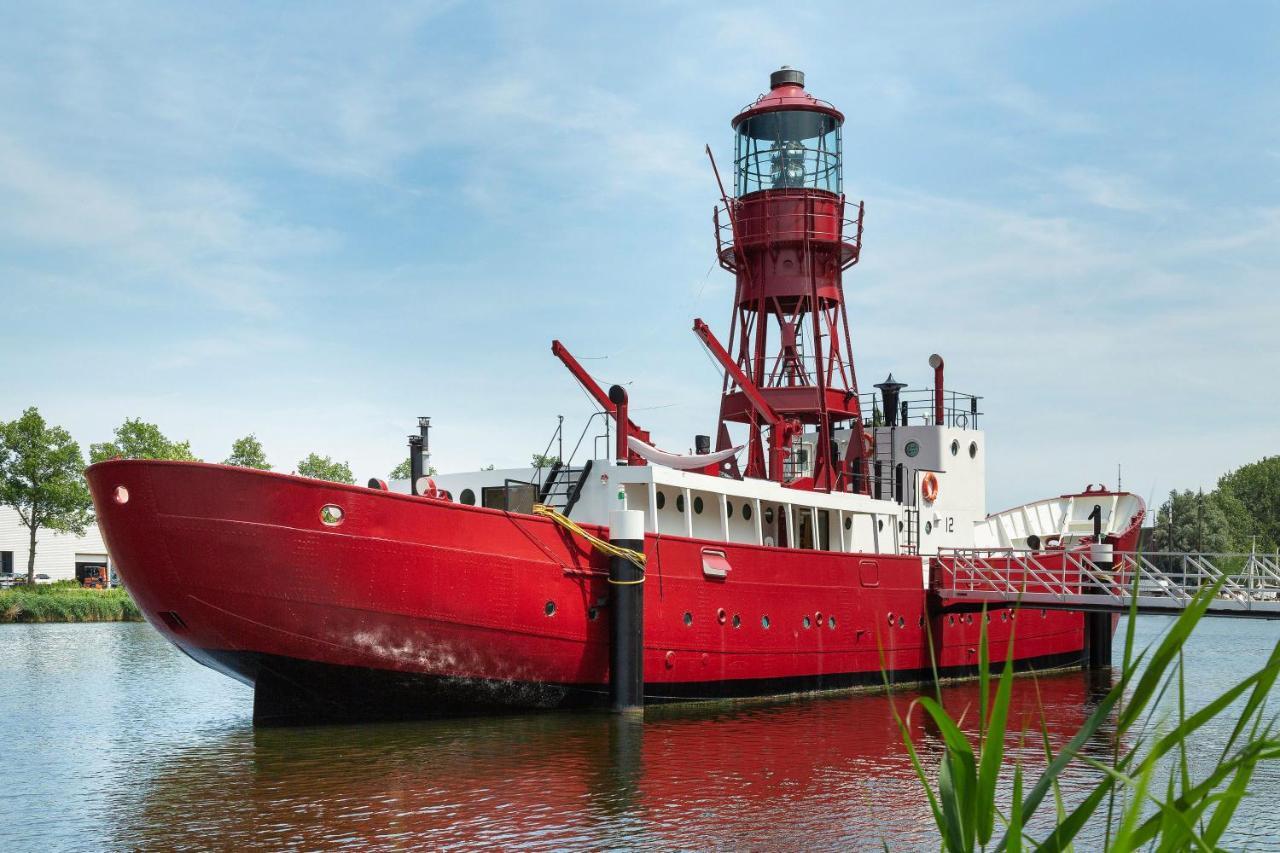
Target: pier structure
{"x": 1154, "y": 582}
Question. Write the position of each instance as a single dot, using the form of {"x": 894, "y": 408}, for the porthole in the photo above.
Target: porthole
{"x": 900, "y": 525}
{"x": 746, "y": 511}
{"x": 848, "y": 523}
{"x": 728, "y": 508}
{"x": 764, "y": 622}
{"x": 955, "y": 447}
{"x": 721, "y": 616}
{"x": 902, "y": 621}
{"x": 1004, "y": 615}
{"x": 467, "y": 497}
{"x": 973, "y": 450}
{"x": 1044, "y": 615}
{"x": 922, "y": 620}
{"x": 697, "y": 506}
{"x": 688, "y": 618}
{"x": 831, "y": 622}
{"x": 120, "y": 495}
{"x": 679, "y": 503}
{"x": 880, "y": 524}
{"x": 331, "y": 515}
{"x": 912, "y": 448}
{"x": 662, "y": 500}
{"x": 951, "y": 620}
{"x": 807, "y": 623}
{"x": 737, "y": 621}
{"x": 817, "y": 617}
{"x": 549, "y": 608}
{"x": 768, "y": 515}
{"x": 890, "y": 620}
{"x": 928, "y": 527}
{"x": 593, "y": 613}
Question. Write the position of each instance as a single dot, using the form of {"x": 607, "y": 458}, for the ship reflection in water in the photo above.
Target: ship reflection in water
{"x": 831, "y": 771}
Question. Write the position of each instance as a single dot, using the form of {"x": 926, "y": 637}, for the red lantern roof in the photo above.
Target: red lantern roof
{"x": 786, "y": 93}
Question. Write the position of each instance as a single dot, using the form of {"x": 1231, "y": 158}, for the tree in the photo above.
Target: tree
{"x": 41, "y": 477}
{"x": 402, "y": 472}
{"x": 1255, "y": 489}
{"x": 247, "y": 452}
{"x": 137, "y": 439}
{"x": 1191, "y": 521}
{"x": 323, "y": 468}
{"x": 543, "y": 461}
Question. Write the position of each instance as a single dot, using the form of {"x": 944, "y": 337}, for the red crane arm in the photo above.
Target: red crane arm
{"x": 597, "y": 393}
{"x": 780, "y": 429}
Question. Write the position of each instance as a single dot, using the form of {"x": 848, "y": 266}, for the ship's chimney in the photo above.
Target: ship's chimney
{"x": 939, "y": 412}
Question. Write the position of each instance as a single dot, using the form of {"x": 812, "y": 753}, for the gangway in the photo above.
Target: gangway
{"x": 1097, "y": 580}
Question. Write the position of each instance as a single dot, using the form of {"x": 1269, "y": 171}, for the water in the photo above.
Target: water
{"x": 113, "y": 740}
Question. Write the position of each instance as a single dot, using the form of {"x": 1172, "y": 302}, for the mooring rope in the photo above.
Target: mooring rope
{"x": 636, "y": 558}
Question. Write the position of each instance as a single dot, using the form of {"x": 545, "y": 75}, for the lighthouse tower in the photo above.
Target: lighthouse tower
{"x": 785, "y": 235}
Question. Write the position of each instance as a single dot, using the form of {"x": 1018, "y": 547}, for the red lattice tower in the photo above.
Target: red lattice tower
{"x": 785, "y": 236}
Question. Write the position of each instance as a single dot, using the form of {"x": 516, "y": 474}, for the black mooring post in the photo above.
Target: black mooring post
{"x": 415, "y": 462}
{"x": 1098, "y": 627}
{"x": 626, "y": 622}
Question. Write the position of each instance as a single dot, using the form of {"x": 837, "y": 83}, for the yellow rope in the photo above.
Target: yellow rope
{"x": 636, "y": 558}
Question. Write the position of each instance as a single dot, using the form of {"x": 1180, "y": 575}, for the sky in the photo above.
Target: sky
{"x": 315, "y": 222}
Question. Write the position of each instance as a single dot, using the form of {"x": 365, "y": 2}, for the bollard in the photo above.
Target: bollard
{"x": 1099, "y": 628}
{"x": 626, "y": 622}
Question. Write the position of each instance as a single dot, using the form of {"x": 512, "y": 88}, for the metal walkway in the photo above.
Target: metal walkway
{"x": 1070, "y": 580}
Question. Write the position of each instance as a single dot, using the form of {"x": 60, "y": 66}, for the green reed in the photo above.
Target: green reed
{"x": 1135, "y": 808}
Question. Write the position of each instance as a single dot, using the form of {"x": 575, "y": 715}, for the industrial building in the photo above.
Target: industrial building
{"x": 59, "y": 556}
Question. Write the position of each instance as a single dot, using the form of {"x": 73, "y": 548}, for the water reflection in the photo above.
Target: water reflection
{"x": 114, "y": 740}
{"x": 832, "y": 770}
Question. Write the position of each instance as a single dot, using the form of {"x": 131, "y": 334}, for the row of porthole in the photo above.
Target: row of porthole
{"x": 902, "y": 621}
{"x": 973, "y": 448}
{"x": 698, "y": 506}
{"x": 722, "y": 617}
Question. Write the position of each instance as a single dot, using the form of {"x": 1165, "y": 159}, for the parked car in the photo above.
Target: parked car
{"x": 8, "y": 579}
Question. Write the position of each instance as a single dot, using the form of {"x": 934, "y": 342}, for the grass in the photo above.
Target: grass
{"x": 1131, "y": 801}
{"x": 66, "y": 601}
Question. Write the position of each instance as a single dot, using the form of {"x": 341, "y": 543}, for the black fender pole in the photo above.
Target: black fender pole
{"x": 1098, "y": 627}
{"x": 626, "y": 620}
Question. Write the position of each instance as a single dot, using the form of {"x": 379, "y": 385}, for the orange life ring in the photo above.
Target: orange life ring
{"x": 929, "y": 487}
{"x": 868, "y": 445}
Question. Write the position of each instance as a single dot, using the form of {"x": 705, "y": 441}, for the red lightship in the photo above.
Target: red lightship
{"x": 796, "y": 561}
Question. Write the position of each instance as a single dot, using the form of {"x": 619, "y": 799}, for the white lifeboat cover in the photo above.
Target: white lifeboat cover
{"x": 679, "y": 461}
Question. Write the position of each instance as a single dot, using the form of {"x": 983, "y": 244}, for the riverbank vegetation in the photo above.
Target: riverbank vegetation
{"x": 1242, "y": 514}
{"x": 1145, "y": 795}
{"x": 66, "y": 601}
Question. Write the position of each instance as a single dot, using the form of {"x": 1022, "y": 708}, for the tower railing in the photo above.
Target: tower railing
{"x": 849, "y": 234}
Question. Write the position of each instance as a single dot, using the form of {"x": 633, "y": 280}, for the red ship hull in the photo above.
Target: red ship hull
{"x": 413, "y": 606}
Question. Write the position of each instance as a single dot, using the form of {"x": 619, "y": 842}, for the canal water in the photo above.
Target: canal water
{"x": 112, "y": 739}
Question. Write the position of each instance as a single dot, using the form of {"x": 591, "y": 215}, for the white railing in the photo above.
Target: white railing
{"x": 1165, "y": 581}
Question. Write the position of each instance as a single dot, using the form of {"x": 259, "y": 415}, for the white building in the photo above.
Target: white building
{"x": 61, "y": 556}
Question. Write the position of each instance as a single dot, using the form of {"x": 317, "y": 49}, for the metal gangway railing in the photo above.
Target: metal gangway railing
{"x": 1077, "y": 579}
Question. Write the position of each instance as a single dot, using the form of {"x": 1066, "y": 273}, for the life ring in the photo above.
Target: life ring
{"x": 929, "y": 487}
{"x": 868, "y": 445}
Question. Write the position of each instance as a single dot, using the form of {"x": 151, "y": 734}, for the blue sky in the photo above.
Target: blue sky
{"x": 315, "y": 222}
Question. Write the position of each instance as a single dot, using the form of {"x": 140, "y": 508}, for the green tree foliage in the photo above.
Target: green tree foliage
{"x": 247, "y": 452}
{"x": 41, "y": 478}
{"x": 137, "y": 439}
{"x": 323, "y": 468}
{"x": 402, "y": 472}
{"x": 544, "y": 461}
{"x": 1252, "y": 495}
{"x": 1192, "y": 521}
